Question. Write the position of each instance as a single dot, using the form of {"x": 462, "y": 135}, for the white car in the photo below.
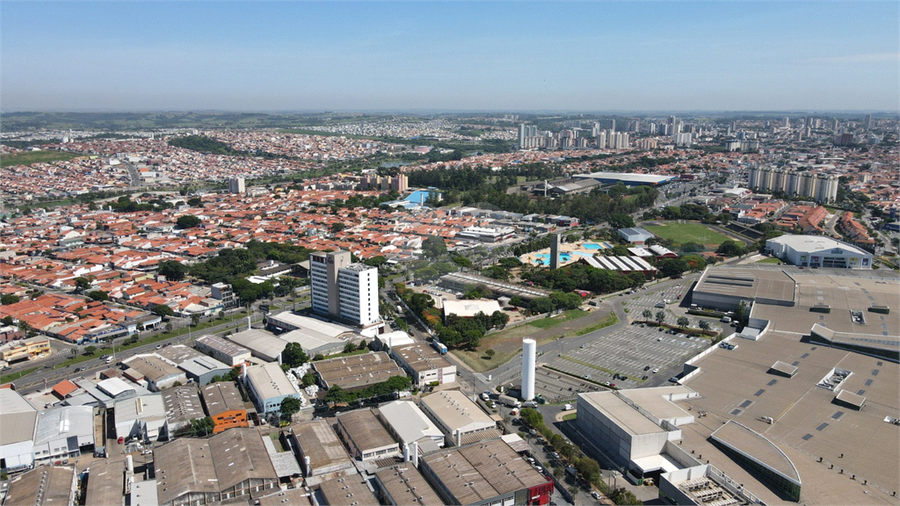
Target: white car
{"x": 655, "y": 370}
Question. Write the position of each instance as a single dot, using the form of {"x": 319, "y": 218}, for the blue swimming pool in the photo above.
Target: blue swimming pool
{"x": 544, "y": 258}
{"x": 591, "y": 245}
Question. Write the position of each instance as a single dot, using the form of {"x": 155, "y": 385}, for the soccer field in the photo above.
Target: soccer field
{"x": 687, "y": 232}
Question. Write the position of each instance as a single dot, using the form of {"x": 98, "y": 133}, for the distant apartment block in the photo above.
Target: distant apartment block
{"x": 236, "y": 185}
{"x": 821, "y": 187}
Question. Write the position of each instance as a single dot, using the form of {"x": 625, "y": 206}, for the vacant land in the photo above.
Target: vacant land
{"x": 30, "y": 157}
{"x": 687, "y": 232}
{"x": 508, "y": 343}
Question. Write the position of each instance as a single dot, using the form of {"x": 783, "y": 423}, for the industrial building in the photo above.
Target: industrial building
{"x": 345, "y": 491}
{"x": 819, "y": 251}
{"x": 63, "y": 432}
{"x": 223, "y": 350}
{"x": 343, "y": 290}
{"x": 485, "y": 473}
{"x": 314, "y": 335}
{"x": 44, "y": 486}
{"x": 825, "y": 417}
{"x": 143, "y": 417}
{"x": 635, "y": 235}
{"x": 224, "y": 405}
{"x": 227, "y": 467}
{"x": 633, "y": 428}
{"x": 261, "y": 343}
{"x": 403, "y": 485}
{"x": 268, "y": 386}
{"x": 365, "y": 436}
{"x": 460, "y": 419}
{"x": 469, "y": 308}
{"x": 627, "y": 178}
{"x": 459, "y": 281}
{"x": 408, "y": 424}
{"x": 156, "y": 372}
{"x": 18, "y": 418}
{"x": 182, "y": 404}
{"x": 424, "y": 364}
{"x": 197, "y": 366}
{"x": 356, "y": 371}
{"x": 319, "y": 450}
{"x": 620, "y": 264}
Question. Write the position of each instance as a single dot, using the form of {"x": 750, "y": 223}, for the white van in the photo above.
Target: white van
{"x": 726, "y": 319}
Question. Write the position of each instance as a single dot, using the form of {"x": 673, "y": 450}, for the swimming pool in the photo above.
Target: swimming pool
{"x": 544, "y": 258}
{"x": 591, "y": 245}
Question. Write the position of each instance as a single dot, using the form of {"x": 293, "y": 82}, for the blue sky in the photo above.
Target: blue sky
{"x": 506, "y": 56}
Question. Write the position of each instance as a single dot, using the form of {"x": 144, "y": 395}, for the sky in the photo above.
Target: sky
{"x": 588, "y": 56}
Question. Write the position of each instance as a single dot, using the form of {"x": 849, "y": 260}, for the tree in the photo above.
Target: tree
{"x": 337, "y": 227}
{"x": 349, "y": 348}
{"x": 335, "y": 394}
{"x": 683, "y": 321}
{"x": 7, "y": 321}
{"x": 499, "y": 319}
{"x": 195, "y": 319}
{"x": 172, "y": 270}
{"x": 660, "y": 316}
{"x": 541, "y": 305}
{"x": 588, "y": 468}
{"x": 647, "y": 314}
{"x": 730, "y": 248}
{"x": 362, "y": 345}
{"x": 8, "y": 298}
{"x": 434, "y": 247}
{"x": 82, "y": 284}
{"x": 672, "y": 267}
{"x": 309, "y": 379}
{"x": 195, "y": 202}
{"x": 162, "y": 310}
{"x": 461, "y": 261}
{"x": 293, "y": 355}
{"x": 704, "y": 324}
{"x": 90, "y": 350}
{"x": 99, "y": 295}
{"x": 187, "y": 221}
{"x": 489, "y": 353}
{"x": 289, "y": 406}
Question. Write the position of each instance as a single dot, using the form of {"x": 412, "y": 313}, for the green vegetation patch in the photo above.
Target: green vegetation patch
{"x": 30, "y": 157}
{"x": 570, "y": 416}
{"x": 610, "y": 320}
{"x": 687, "y": 232}
{"x": 772, "y": 260}
{"x": 16, "y": 375}
{"x": 546, "y": 323}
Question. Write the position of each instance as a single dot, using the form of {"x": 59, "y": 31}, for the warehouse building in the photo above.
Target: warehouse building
{"x": 223, "y": 350}
{"x": 408, "y": 424}
{"x": 143, "y": 417}
{"x": 460, "y": 419}
{"x": 819, "y": 251}
{"x": 224, "y": 405}
{"x": 63, "y": 432}
{"x": 627, "y": 178}
{"x": 319, "y": 450}
{"x": 635, "y": 235}
{"x": 424, "y": 364}
{"x": 365, "y": 436}
{"x": 44, "y": 486}
{"x": 157, "y": 373}
{"x": 460, "y": 282}
{"x": 345, "y": 491}
{"x": 182, "y": 405}
{"x": 356, "y": 371}
{"x": 485, "y": 473}
{"x": 18, "y": 418}
{"x": 262, "y": 344}
{"x": 404, "y": 485}
{"x": 268, "y": 387}
{"x": 228, "y": 467}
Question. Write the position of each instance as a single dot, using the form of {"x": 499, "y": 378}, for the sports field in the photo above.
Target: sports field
{"x": 686, "y": 232}
{"x": 29, "y": 157}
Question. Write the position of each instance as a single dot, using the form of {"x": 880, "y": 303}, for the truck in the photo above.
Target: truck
{"x": 439, "y": 346}
{"x": 509, "y": 401}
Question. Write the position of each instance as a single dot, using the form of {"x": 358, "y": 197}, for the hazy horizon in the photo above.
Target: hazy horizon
{"x": 427, "y": 58}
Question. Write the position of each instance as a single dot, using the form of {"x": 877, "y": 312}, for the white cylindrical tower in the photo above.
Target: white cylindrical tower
{"x": 529, "y": 349}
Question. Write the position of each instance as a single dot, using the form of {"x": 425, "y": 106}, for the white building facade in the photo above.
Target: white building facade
{"x": 344, "y": 290}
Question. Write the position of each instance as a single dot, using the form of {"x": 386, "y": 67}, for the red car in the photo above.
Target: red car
{"x": 121, "y": 440}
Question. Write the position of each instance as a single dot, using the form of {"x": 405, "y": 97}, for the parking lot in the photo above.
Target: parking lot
{"x": 557, "y": 387}
{"x": 632, "y": 352}
{"x": 650, "y": 299}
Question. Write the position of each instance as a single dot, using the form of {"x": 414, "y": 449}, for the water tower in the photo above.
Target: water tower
{"x": 529, "y": 349}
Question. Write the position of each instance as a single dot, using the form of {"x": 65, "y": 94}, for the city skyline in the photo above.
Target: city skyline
{"x": 380, "y": 56}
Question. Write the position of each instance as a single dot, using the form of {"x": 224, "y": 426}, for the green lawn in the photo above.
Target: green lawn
{"x": 17, "y": 375}
{"x": 687, "y": 232}
{"x": 546, "y": 323}
{"x": 30, "y": 157}
{"x": 773, "y": 260}
{"x": 611, "y": 319}
{"x": 570, "y": 416}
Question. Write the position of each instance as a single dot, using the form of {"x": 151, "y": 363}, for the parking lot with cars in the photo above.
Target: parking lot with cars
{"x": 557, "y": 387}
{"x": 627, "y": 358}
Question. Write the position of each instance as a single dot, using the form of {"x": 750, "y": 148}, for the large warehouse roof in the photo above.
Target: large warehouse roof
{"x": 626, "y": 177}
